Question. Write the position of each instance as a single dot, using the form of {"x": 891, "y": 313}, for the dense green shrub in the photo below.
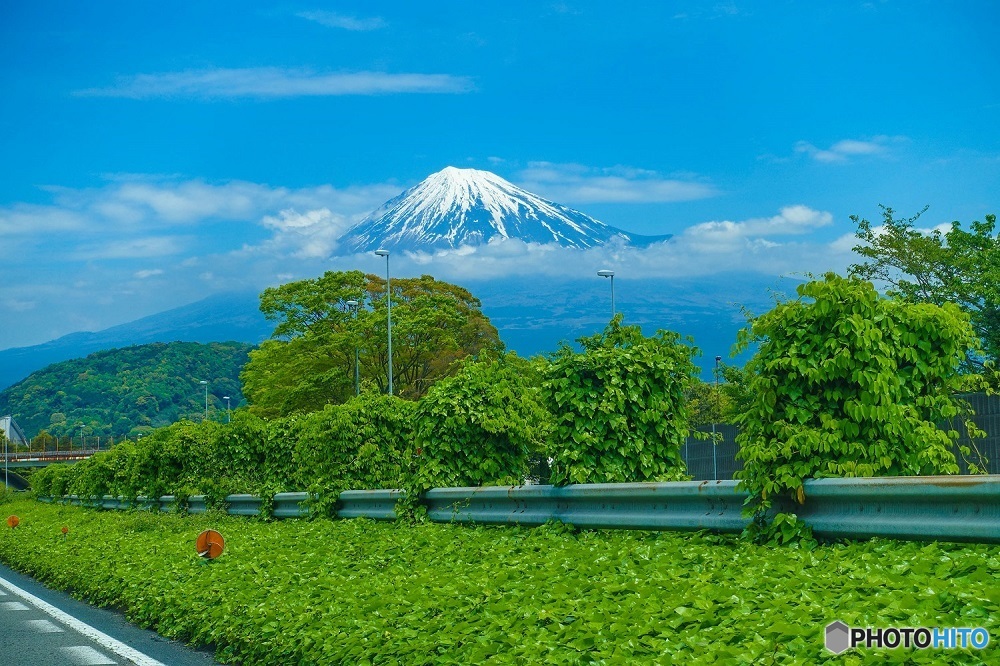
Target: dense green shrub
{"x": 53, "y": 481}
{"x": 250, "y": 455}
{"x": 182, "y": 459}
{"x": 356, "y": 445}
{"x": 619, "y": 406}
{"x": 848, "y": 383}
{"x": 481, "y": 426}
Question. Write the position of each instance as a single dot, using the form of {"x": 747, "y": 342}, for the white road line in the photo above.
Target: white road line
{"x": 84, "y": 655}
{"x": 43, "y": 626}
{"x": 13, "y": 606}
{"x": 99, "y": 637}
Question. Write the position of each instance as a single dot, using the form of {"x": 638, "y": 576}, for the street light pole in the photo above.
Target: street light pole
{"x": 229, "y": 413}
{"x": 205, "y": 384}
{"x": 83, "y": 442}
{"x": 715, "y": 415}
{"x": 610, "y": 274}
{"x": 388, "y": 308}
{"x": 357, "y": 371}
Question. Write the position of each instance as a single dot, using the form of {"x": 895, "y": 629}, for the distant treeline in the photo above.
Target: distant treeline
{"x": 125, "y": 392}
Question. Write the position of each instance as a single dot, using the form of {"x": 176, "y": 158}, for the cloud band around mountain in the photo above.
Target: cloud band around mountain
{"x": 142, "y": 244}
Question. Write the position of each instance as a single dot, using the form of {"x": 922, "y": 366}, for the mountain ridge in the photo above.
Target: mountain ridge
{"x": 469, "y": 207}
{"x": 219, "y": 318}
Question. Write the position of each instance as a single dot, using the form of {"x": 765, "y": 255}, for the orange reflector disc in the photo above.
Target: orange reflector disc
{"x": 210, "y": 544}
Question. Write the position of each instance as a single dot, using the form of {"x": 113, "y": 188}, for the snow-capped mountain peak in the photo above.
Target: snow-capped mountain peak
{"x": 456, "y": 207}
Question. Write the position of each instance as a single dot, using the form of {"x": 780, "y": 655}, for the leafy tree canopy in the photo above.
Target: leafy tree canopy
{"x": 309, "y": 362}
{"x": 719, "y": 401}
{"x": 848, "y": 383}
{"x": 619, "y": 406}
{"x": 481, "y": 426}
{"x": 955, "y": 266}
{"x": 119, "y": 392}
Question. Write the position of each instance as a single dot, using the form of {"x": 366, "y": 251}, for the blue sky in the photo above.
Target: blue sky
{"x": 154, "y": 153}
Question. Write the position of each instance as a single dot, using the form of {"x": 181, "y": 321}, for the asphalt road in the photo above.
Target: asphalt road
{"x": 42, "y": 627}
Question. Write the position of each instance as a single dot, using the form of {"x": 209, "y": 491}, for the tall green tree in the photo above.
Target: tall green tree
{"x": 847, "y": 383}
{"x": 960, "y": 266}
{"x": 309, "y": 361}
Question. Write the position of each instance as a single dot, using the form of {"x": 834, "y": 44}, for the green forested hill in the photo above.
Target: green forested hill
{"x": 121, "y": 392}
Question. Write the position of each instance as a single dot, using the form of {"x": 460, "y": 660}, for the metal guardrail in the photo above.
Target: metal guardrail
{"x": 197, "y": 504}
{"x": 946, "y": 508}
{"x": 684, "y": 505}
{"x": 919, "y": 508}
{"x": 242, "y": 505}
{"x": 289, "y": 505}
{"x": 375, "y": 504}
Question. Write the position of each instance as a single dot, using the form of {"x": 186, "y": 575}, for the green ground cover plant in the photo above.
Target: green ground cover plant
{"x": 360, "y": 592}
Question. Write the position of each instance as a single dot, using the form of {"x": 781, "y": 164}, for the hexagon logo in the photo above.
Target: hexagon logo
{"x": 838, "y": 637}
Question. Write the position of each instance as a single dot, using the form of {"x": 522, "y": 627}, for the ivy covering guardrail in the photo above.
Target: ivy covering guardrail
{"x": 948, "y": 508}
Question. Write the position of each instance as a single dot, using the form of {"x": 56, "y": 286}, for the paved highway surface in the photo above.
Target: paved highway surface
{"x": 42, "y": 627}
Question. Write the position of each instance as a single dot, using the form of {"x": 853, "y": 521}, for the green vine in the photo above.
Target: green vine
{"x": 620, "y": 408}
{"x": 846, "y": 383}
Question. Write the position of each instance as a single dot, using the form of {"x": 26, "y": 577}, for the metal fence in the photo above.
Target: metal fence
{"x": 708, "y": 462}
{"x": 987, "y": 419}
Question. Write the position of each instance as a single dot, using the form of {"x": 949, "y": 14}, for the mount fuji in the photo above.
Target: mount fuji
{"x": 456, "y": 207}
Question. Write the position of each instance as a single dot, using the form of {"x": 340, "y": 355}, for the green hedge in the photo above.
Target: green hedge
{"x": 488, "y": 424}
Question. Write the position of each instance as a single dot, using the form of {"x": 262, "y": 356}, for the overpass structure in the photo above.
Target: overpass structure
{"x": 11, "y": 458}
{"x": 15, "y": 436}
{"x": 43, "y": 458}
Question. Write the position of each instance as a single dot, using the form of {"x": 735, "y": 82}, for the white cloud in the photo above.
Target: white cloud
{"x": 792, "y": 220}
{"x": 143, "y": 202}
{"x": 32, "y": 219}
{"x": 190, "y": 201}
{"x": 575, "y": 183}
{"x": 755, "y": 245}
{"x": 844, "y": 150}
{"x": 844, "y": 243}
{"x": 132, "y": 248}
{"x": 274, "y": 82}
{"x": 133, "y": 219}
{"x": 18, "y": 305}
{"x": 309, "y": 235}
{"x": 335, "y": 20}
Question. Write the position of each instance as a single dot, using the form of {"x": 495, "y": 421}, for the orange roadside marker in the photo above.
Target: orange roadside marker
{"x": 210, "y": 544}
